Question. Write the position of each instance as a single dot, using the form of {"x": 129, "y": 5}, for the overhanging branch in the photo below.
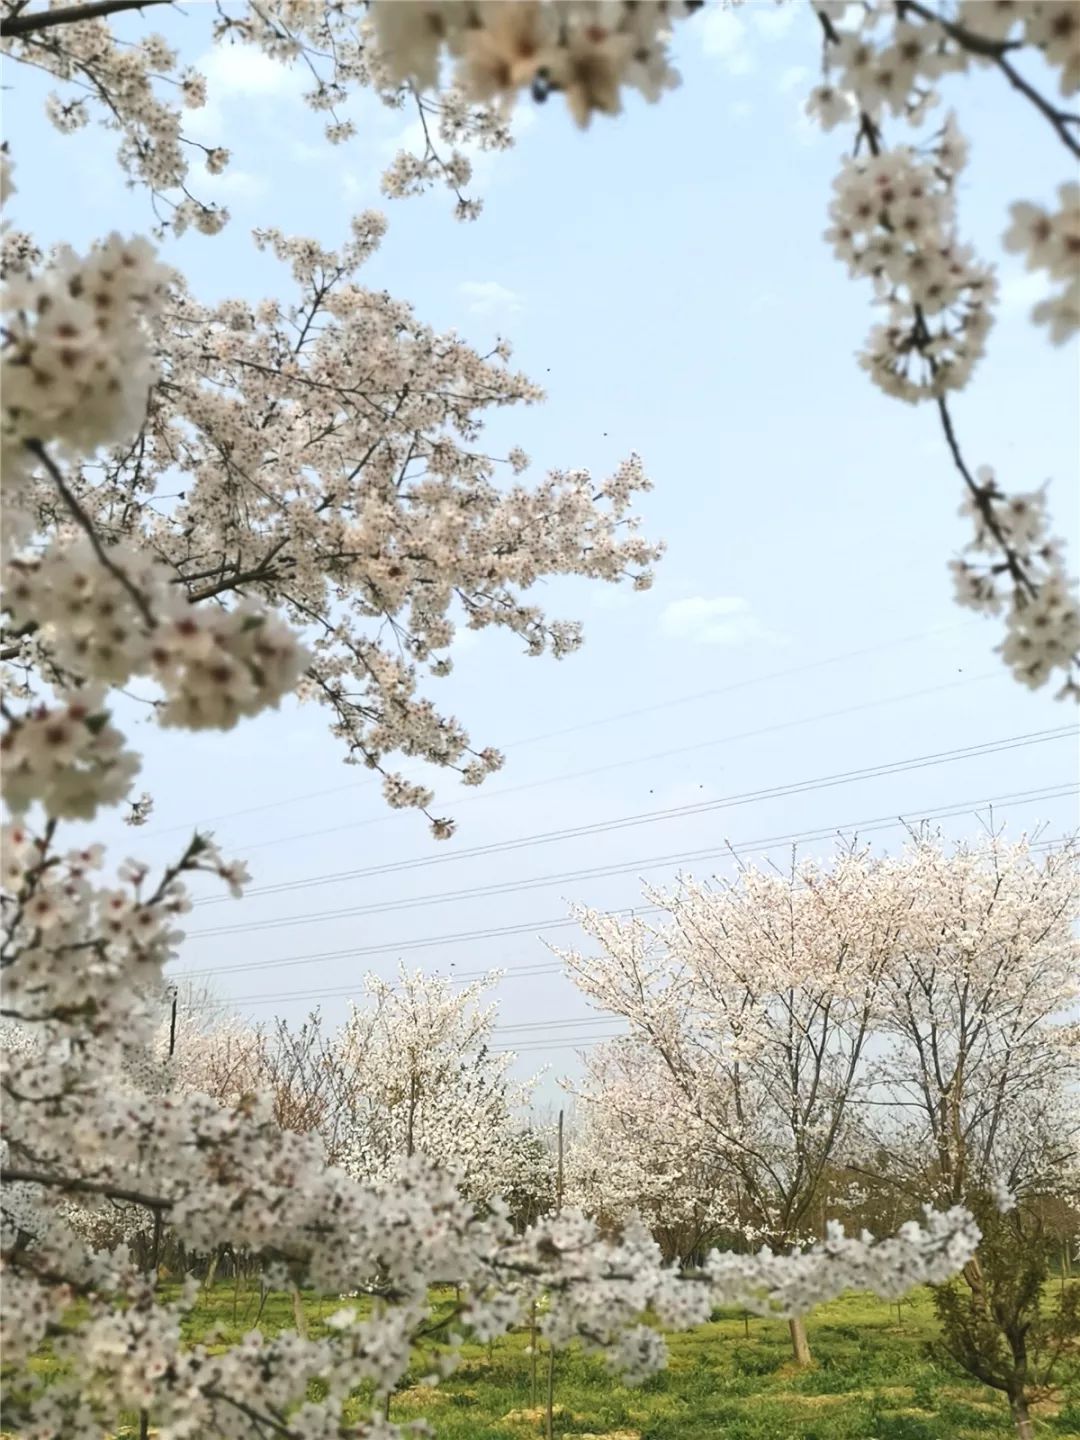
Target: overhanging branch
{"x": 69, "y": 15}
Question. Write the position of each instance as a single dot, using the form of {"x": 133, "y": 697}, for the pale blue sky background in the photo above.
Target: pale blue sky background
{"x": 664, "y": 277}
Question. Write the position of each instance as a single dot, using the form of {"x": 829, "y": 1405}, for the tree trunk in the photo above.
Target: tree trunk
{"x": 973, "y": 1274}
{"x": 549, "y": 1429}
{"x": 211, "y": 1273}
{"x": 800, "y": 1346}
{"x": 532, "y": 1356}
{"x": 298, "y": 1314}
{"x": 1025, "y": 1428}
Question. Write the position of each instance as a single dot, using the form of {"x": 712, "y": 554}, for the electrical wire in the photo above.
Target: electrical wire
{"x": 704, "y": 807}
{"x": 599, "y": 720}
{"x": 563, "y": 922}
{"x": 548, "y": 781}
{"x": 449, "y": 856}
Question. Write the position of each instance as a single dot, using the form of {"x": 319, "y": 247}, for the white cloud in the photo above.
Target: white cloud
{"x": 807, "y": 130}
{"x": 716, "y": 620}
{"x": 361, "y": 189}
{"x": 723, "y": 38}
{"x": 764, "y": 300}
{"x": 464, "y": 640}
{"x": 524, "y": 119}
{"x": 774, "y": 18}
{"x": 409, "y": 137}
{"x": 727, "y": 38}
{"x": 241, "y": 70}
{"x": 488, "y": 298}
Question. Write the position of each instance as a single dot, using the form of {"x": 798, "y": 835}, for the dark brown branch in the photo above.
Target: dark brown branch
{"x": 264, "y": 570}
{"x": 1057, "y": 118}
{"x": 12, "y": 650}
{"x": 997, "y": 52}
{"x": 257, "y": 1417}
{"x": 69, "y": 15}
{"x": 85, "y": 524}
{"x": 984, "y": 501}
{"x": 73, "y": 1184}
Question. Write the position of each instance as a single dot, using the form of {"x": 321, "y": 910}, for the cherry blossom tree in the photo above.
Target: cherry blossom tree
{"x": 636, "y": 1150}
{"x": 205, "y": 1047}
{"x": 982, "y": 1057}
{"x": 412, "y": 1072}
{"x": 976, "y": 1093}
{"x": 757, "y": 997}
{"x": 901, "y": 1022}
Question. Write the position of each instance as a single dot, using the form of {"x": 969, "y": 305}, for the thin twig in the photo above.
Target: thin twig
{"x": 979, "y": 494}
{"x": 85, "y": 524}
{"x": 997, "y": 52}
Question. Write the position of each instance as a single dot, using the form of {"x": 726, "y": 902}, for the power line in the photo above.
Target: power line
{"x": 547, "y": 781}
{"x": 518, "y": 972}
{"x": 602, "y": 720}
{"x": 703, "y": 807}
{"x": 532, "y": 926}
{"x": 563, "y": 922}
{"x": 545, "y": 1045}
{"x": 766, "y": 843}
{"x": 547, "y": 837}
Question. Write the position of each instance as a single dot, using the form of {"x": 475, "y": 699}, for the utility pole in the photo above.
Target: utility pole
{"x": 175, "y": 996}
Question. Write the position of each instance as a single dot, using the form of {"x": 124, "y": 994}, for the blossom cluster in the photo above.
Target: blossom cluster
{"x": 1020, "y": 573}
{"x": 108, "y": 622}
{"x": 893, "y": 221}
{"x": 887, "y": 58}
{"x": 344, "y": 481}
{"x": 53, "y": 910}
{"x": 379, "y": 568}
{"x": 882, "y": 59}
{"x": 77, "y": 357}
{"x": 585, "y": 50}
{"x": 1050, "y": 26}
{"x": 1050, "y": 241}
{"x": 793, "y": 1018}
{"x": 68, "y": 757}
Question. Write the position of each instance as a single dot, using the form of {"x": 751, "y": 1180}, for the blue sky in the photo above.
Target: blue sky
{"x": 664, "y": 277}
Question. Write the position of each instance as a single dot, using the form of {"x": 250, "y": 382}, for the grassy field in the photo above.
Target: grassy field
{"x": 874, "y": 1378}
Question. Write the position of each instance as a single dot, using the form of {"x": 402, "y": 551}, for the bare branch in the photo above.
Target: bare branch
{"x": 69, "y": 15}
{"x": 74, "y": 1184}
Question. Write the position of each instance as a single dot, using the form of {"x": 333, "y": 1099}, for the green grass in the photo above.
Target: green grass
{"x": 872, "y": 1379}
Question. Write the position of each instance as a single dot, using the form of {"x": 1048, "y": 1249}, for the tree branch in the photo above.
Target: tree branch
{"x": 69, "y": 15}
{"x": 1021, "y": 579}
{"x": 87, "y": 526}
{"x": 997, "y": 52}
{"x": 74, "y": 1184}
